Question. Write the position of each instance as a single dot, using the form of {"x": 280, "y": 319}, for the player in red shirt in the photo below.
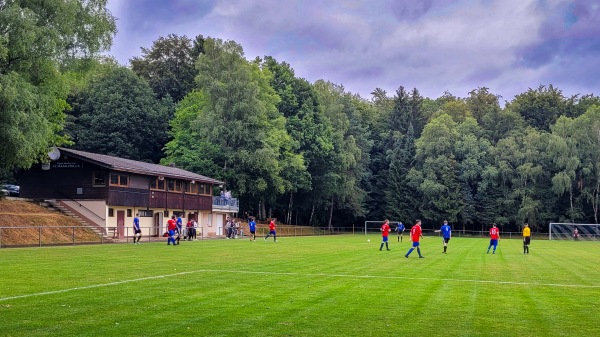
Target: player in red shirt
{"x": 415, "y": 235}
{"x": 494, "y": 237}
{"x": 272, "y": 230}
{"x": 172, "y": 228}
{"x": 385, "y": 230}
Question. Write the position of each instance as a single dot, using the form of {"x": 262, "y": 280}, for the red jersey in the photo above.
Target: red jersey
{"x": 415, "y": 233}
{"x": 494, "y": 233}
{"x": 172, "y": 225}
{"x": 385, "y": 229}
{"x": 272, "y": 226}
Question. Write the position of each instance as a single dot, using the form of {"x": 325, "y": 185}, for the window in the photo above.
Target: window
{"x": 190, "y": 187}
{"x": 111, "y": 212}
{"x": 98, "y": 179}
{"x": 157, "y": 183}
{"x": 146, "y": 213}
{"x": 119, "y": 179}
{"x": 174, "y": 185}
{"x": 129, "y": 212}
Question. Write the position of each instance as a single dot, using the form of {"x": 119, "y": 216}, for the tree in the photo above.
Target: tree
{"x": 233, "y": 114}
{"x": 540, "y": 107}
{"x": 310, "y": 130}
{"x": 588, "y": 131}
{"x": 168, "y": 65}
{"x": 36, "y": 39}
{"x": 436, "y": 170}
{"x": 118, "y": 115}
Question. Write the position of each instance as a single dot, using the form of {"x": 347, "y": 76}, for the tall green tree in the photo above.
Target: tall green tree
{"x": 588, "y": 131}
{"x": 236, "y": 118}
{"x": 310, "y": 130}
{"x": 540, "y": 107}
{"x": 36, "y": 38}
{"x": 168, "y": 65}
{"x": 118, "y": 114}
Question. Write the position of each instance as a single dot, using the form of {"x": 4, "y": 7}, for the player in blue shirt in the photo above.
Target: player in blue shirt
{"x": 179, "y": 228}
{"x": 400, "y": 231}
{"x": 252, "y": 225}
{"x": 137, "y": 231}
{"x": 446, "y": 234}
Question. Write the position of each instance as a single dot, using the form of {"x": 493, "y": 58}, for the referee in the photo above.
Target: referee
{"x": 526, "y": 238}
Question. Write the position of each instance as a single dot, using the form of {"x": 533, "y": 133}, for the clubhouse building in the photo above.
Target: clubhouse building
{"x": 106, "y": 193}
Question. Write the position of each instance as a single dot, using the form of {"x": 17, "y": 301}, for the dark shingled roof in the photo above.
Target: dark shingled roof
{"x": 133, "y": 166}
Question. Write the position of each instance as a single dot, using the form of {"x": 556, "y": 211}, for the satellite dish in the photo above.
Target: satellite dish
{"x": 54, "y": 153}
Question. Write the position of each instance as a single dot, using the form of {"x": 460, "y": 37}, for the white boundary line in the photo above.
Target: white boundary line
{"x": 300, "y": 274}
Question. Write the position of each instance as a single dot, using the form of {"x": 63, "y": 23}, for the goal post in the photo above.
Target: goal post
{"x": 573, "y": 231}
{"x": 376, "y": 225}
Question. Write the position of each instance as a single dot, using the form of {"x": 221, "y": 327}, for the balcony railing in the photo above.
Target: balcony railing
{"x": 226, "y": 204}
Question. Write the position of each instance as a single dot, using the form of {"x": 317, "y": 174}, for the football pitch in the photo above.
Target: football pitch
{"x": 302, "y": 286}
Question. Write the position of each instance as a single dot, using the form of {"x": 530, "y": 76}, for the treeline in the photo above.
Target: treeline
{"x": 313, "y": 153}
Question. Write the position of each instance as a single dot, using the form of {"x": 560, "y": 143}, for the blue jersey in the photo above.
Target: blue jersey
{"x": 446, "y": 231}
{"x": 252, "y": 226}
{"x": 400, "y": 228}
{"x": 136, "y": 224}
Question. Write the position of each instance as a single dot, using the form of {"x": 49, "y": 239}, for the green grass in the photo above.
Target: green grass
{"x": 304, "y": 286}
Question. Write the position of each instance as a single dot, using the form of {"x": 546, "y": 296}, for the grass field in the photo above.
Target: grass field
{"x": 304, "y": 286}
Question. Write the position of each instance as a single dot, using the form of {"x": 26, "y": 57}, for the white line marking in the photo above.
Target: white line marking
{"x": 301, "y": 274}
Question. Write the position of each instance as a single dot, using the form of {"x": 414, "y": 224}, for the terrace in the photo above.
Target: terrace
{"x": 226, "y": 204}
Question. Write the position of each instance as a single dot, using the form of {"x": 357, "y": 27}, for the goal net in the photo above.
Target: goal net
{"x": 574, "y": 231}
{"x": 375, "y": 226}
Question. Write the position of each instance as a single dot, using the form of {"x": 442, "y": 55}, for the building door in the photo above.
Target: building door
{"x": 121, "y": 224}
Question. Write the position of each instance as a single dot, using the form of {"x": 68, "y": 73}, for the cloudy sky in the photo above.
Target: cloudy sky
{"x": 507, "y": 46}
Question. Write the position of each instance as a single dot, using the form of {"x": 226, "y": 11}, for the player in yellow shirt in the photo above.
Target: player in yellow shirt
{"x": 526, "y": 238}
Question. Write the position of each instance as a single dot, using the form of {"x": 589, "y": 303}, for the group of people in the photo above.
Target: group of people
{"x": 416, "y": 233}
{"x": 175, "y": 230}
{"x": 233, "y": 228}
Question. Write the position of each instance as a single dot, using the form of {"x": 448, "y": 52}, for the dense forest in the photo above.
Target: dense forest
{"x": 306, "y": 153}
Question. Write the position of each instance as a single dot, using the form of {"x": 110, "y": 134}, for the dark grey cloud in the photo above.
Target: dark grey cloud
{"x": 455, "y": 45}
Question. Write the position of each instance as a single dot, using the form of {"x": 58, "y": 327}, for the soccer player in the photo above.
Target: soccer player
{"x": 415, "y": 235}
{"x": 272, "y": 230}
{"x": 137, "y": 232}
{"x": 252, "y": 226}
{"x": 446, "y": 234}
{"x": 172, "y": 228}
{"x": 385, "y": 230}
{"x": 494, "y": 237}
{"x": 179, "y": 228}
{"x": 526, "y": 238}
{"x": 400, "y": 231}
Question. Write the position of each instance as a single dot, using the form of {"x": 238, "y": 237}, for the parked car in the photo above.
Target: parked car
{"x": 10, "y": 190}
